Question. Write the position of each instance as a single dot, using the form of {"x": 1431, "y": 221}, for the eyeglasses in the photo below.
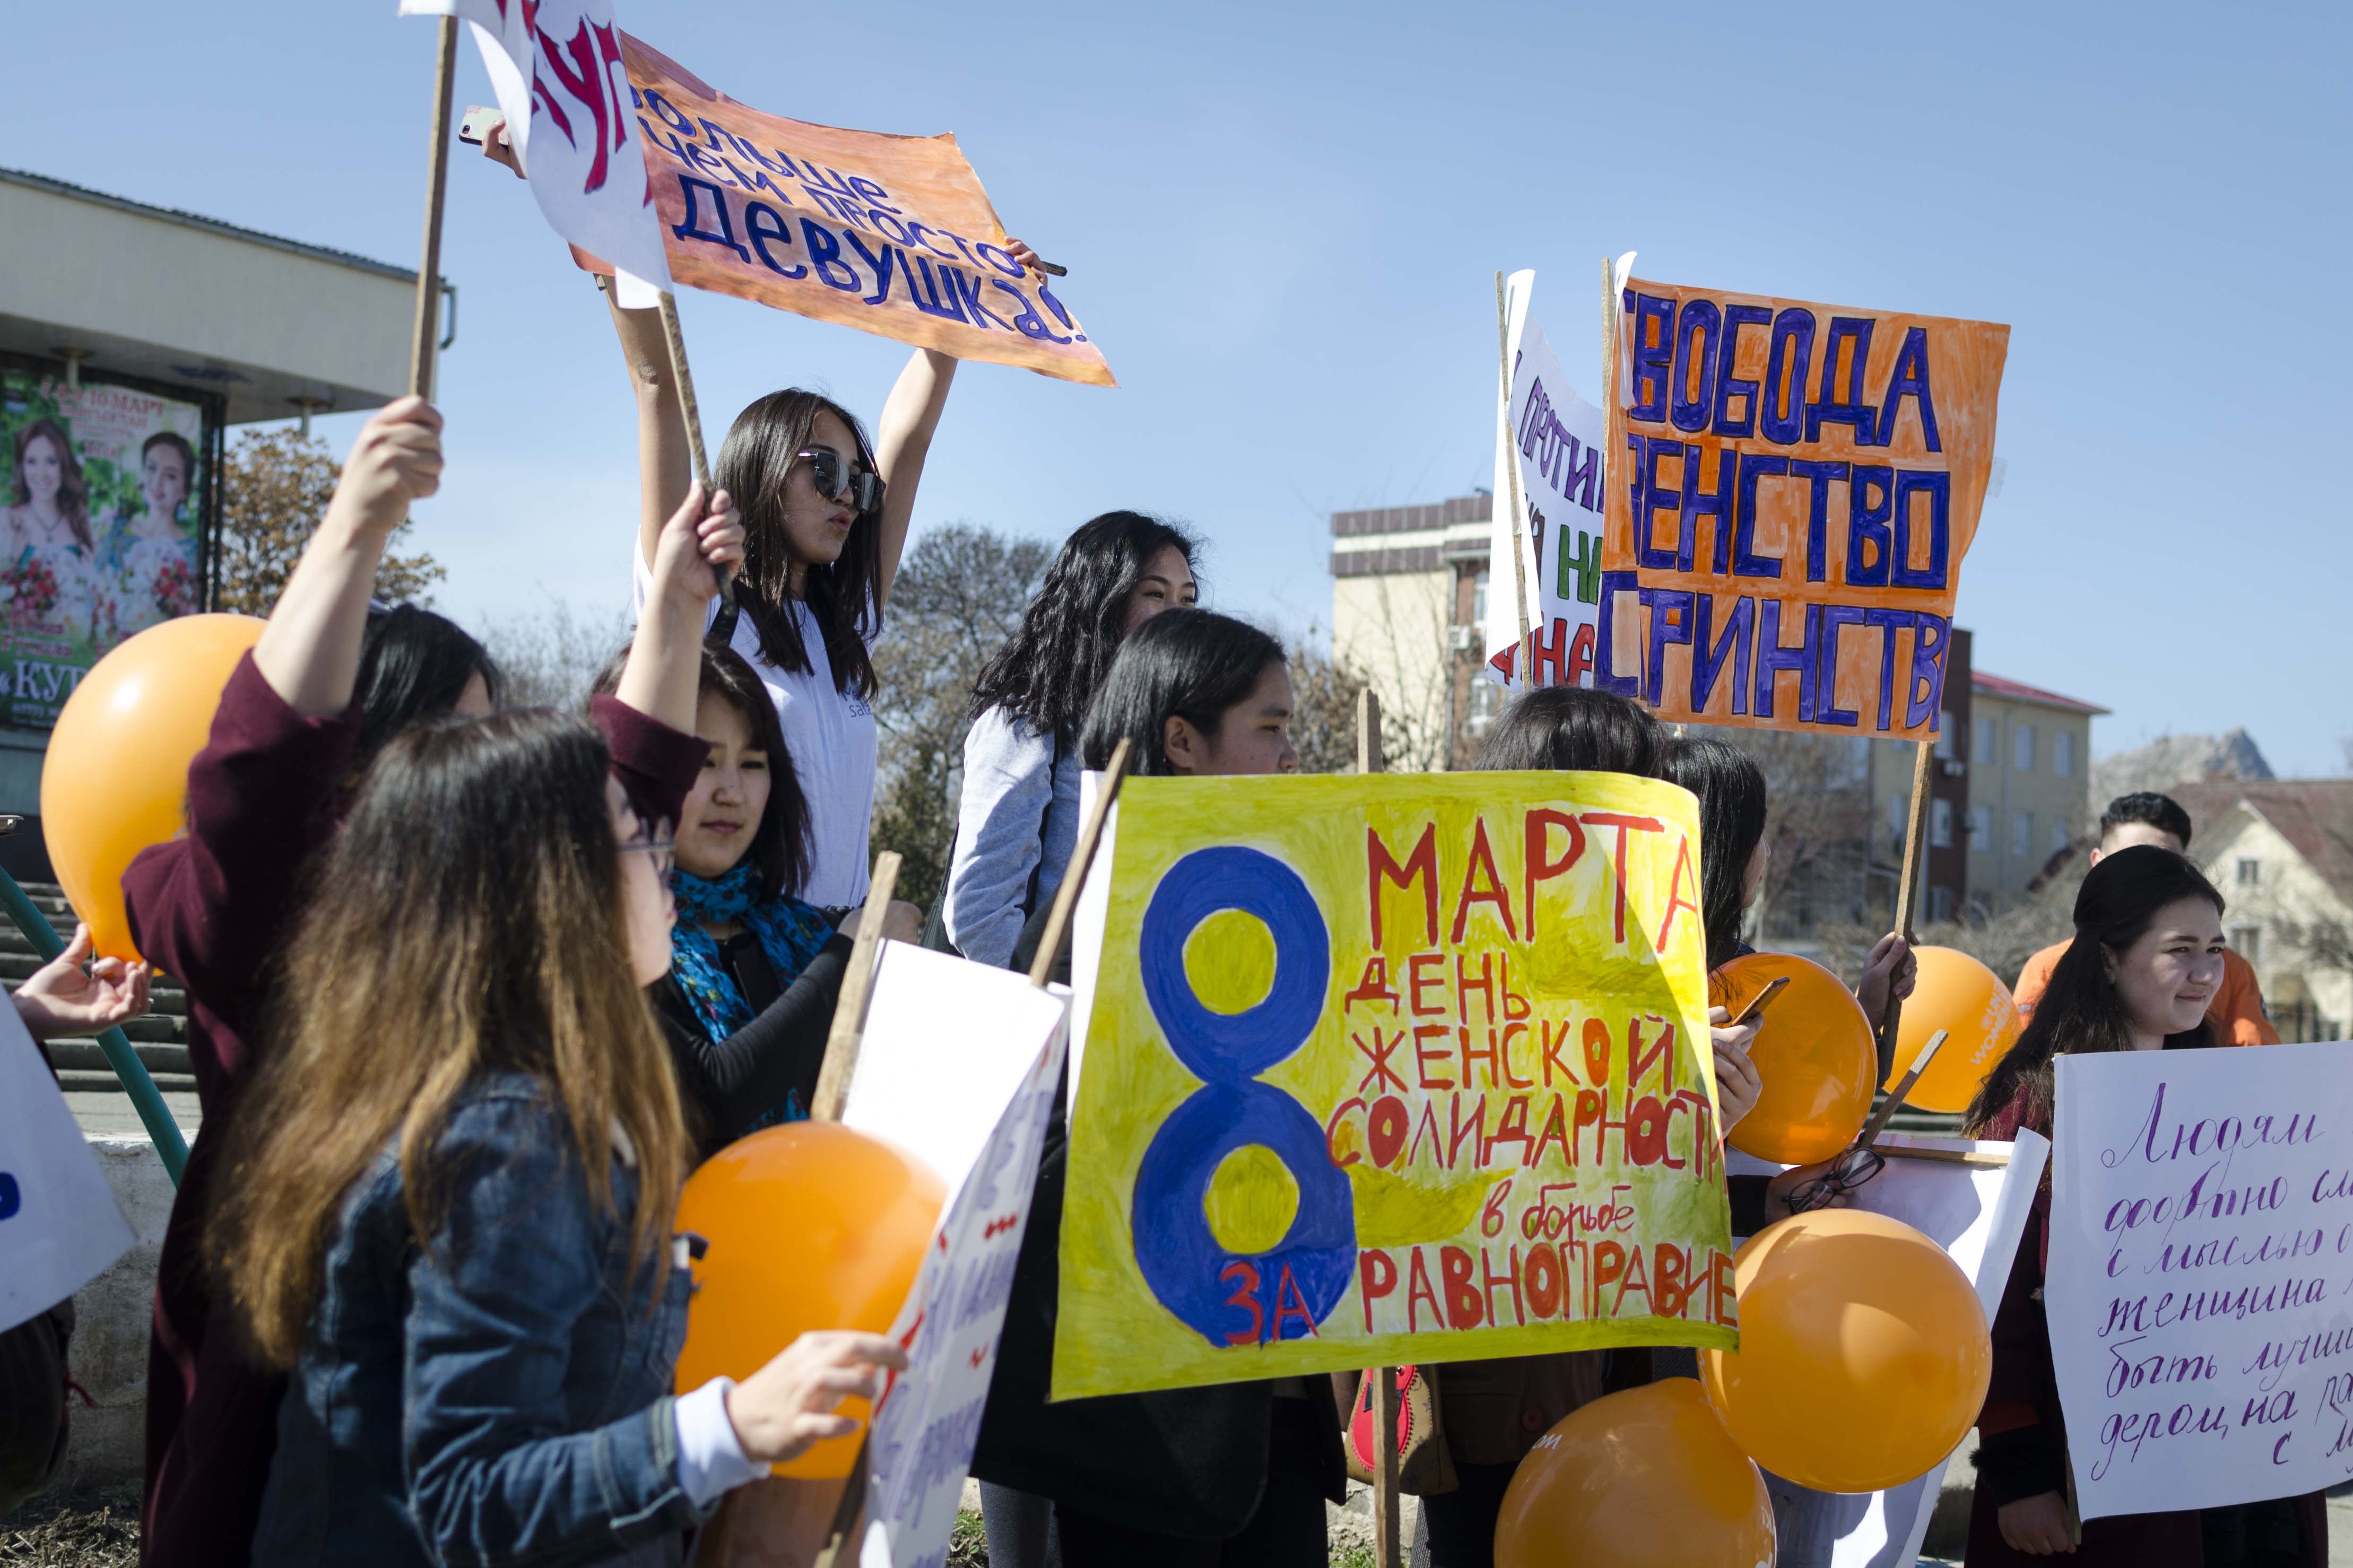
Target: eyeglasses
{"x": 663, "y": 850}
{"x": 1851, "y": 1169}
{"x": 837, "y": 479}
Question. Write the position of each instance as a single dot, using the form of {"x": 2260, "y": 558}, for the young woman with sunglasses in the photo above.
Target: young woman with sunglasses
{"x": 2144, "y": 966}
{"x": 1223, "y": 1477}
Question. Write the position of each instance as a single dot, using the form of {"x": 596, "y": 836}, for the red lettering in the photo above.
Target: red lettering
{"x": 1384, "y": 1129}
{"x": 1513, "y": 1129}
{"x": 1332, "y": 1132}
{"x": 1669, "y": 1291}
{"x": 1608, "y": 1263}
{"x": 1380, "y": 1072}
{"x": 1482, "y": 858}
{"x": 1417, "y": 1287}
{"x": 1469, "y": 1056}
{"x": 1588, "y": 1114}
{"x": 1484, "y": 985}
{"x": 1624, "y": 825}
{"x": 1465, "y": 1308}
{"x": 1540, "y": 865}
{"x": 1290, "y": 1301}
{"x": 1423, "y": 1055}
{"x": 1245, "y": 1296}
{"x": 1646, "y": 1131}
{"x": 1509, "y": 1279}
{"x": 1636, "y": 1278}
{"x": 1597, "y": 1051}
{"x": 1504, "y": 1053}
{"x": 1556, "y": 1130}
{"x": 1552, "y": 1043}
{"x": 1639, "y": 1061}
{"x": 1376, "y": 1277}
{"x": 1420, "y": 866}
{"x": 1676, "y": 900}
{"x": 1541, "y": 1276}
{"x": 1373, "y": 987}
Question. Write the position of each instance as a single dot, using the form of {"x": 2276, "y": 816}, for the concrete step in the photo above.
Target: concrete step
{"x": 88, "y": 1056}
{"x": 81, "y": 1081}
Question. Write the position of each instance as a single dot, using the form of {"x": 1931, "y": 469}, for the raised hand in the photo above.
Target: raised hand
{"x": 62, "y": 998}
{"x": 396, "y": 463}
{"x": 1737, "y": 1085}
{"x": 696, "y": 542}
{"x": 788, "y": 1405}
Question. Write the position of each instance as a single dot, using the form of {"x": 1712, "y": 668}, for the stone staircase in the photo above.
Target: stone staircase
{"x": 161, "y": 1038}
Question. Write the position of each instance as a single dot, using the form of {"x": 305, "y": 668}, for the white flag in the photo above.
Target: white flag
{"x": 1555, "y": 438}
{"x": 557, "y": 67}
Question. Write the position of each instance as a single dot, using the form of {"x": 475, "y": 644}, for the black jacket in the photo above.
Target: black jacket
{"x": 728, "y": 1088}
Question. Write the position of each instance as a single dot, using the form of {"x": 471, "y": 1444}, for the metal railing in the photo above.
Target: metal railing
{"x": 146, "y": 1096}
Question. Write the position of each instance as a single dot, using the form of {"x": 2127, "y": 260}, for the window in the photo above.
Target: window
{"x": 2063, "y": 754}
{"x": 1479, "y": 600}
{"x": 2060, "y": 837}
{"x": 1940, "y": 824}
{"x": 1947, "y": 738}
{"x": 2249, "y": 941}
{"x": 2021, "y": 833}
{"x": 2021, "y": 748}
{"x": 1940, "y": 903}
{"x": 2250, "y": 873}
{"x": 1981, "y": 828}
{"x": 1989, "y": 746}
{"x": 1899, "y": 815}
{"x": 1486, "y": 701}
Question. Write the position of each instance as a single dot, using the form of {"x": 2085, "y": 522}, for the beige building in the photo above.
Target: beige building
{"x": 2029, "y": 755}
{"x": 1408, "y": 596}
{"x": 2281, "y": 850}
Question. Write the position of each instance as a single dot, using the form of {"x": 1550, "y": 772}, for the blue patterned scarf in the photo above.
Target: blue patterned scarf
{"x": 790, "y": 933}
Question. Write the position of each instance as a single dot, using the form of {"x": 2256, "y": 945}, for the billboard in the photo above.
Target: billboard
{"x": 102, "y": 495}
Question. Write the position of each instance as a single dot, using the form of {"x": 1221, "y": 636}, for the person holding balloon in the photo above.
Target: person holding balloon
{"x": 1234, "y": 1474}
{"x": 2140, "y": 975}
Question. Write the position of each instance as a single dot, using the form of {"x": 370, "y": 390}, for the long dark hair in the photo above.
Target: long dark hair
{"x": 469, "y": 917}
{"x": 1732, "y": 799}
{"x": 413, "y": 665}
{"x": 2081, "y": 1011}
{"x": 73, "y": 491}
{"x": 1190, "y": 663}
{"x": 754, "y": 463}
{"x": 1574, "y": 729}
{"x": 1049, "y": 669}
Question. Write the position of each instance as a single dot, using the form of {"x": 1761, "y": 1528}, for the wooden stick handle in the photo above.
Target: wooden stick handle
{"x": 1369, "y": 759}
{"x": 722, "y": 626}
{"x": 427, "y": 324}
{"x": 1526, "y": 670}
{"x": 1902, "y": 1090}
{"x": 857, "y": 990}
{"x": 1074, "y": 877}
{"x": 1916, "y": 837}
{"x": 1950, "y": 1156}
{"x": 1389, "y": 1551}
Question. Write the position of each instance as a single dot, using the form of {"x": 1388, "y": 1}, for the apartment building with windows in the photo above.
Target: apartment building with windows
{"x": 2029, "y": 753}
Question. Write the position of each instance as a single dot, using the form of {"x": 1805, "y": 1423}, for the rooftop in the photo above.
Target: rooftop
{"x": 2018, "y": 691}
{"x": 2316, "y": 815}
{"x": 210, "y": 225}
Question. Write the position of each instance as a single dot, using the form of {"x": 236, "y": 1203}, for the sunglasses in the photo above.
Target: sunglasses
{"x": 1852, "y": 1169}
{"x": 837, "y": 480}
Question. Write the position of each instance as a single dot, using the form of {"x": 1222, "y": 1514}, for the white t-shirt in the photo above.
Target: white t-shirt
{"x": 832, "y": 738}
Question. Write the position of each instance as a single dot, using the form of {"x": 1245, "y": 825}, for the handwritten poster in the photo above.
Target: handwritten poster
{"x": 2201, "y": 1282}
{"x": 1793, "y": 488}
{"x": 1387, "y": 1070}
{"x": 1555, "y": 438}
{"x": 960, "y": 1063}
{"x": 891, "y": 235}
{"x": 58, "y": 1222}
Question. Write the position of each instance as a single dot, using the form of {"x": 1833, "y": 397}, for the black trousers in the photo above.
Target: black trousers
{"x": 1462, "y": 1521}
{"x": 33, "y": 1403}
{"x": 1286, "y": 1531}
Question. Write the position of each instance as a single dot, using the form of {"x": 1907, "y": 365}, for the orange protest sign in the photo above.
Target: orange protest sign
{"x": 891, "y": 235}
{"x": 1793, "y": 488}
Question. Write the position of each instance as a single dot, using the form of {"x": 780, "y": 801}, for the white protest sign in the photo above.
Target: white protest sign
{"x": 58, "y": 1222}
{"x": 959, "y": 1063}
{"x": 2199, "y": 1289}
{"x": 1976, "y": 1213}
{"x": 1555, "y": 438}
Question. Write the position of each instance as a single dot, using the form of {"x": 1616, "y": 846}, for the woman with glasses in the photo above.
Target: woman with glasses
{"x": 748, "y": 999}
{"x": 2145, "y": 963}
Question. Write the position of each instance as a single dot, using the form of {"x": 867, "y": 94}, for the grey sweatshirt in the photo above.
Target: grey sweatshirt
{"x": 1019, "y": 805}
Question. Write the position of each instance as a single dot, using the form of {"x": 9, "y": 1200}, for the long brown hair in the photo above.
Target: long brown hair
{"x": 73, "y": 491}
{"x": 466, "y": 919}
{"x": 753, "y": 462}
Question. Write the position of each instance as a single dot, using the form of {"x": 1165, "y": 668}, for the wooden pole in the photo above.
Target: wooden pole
{"x": 857, "y": 990}
{"x": 1526, "y": 670}
{"x": 723, "y": 626}
{"x": 1916, "y": 838}
{"x": 437, "y": 182}
{"x": 1609, "y": 336}
{"x": 1074, "y": 876}
{"x": 1387, "y": 1549}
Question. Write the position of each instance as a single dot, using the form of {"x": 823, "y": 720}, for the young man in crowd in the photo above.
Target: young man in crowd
{"x": 2146, "y": 817}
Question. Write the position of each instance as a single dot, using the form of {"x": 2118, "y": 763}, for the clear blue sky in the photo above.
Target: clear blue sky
{"x": 1283, "y": 224}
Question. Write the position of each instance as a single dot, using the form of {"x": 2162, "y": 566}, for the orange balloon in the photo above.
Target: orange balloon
{"x": 1969, "y": 1001}
{"x": 1646, "y": 1478}
{"x": 1864, "y": 1352}
{"x": 1813, "y": 1052}
{"x": 116, "y": 776}
{"x": 812, "y": 1225}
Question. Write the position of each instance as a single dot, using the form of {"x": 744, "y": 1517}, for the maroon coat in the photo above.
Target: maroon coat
{"x": 210, "y": 909}
{"x": 2023, "y": 1377}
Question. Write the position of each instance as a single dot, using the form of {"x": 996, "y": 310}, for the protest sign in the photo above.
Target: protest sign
{"x": 2199, "y": 1288}
{"x": 58, "y": 1222}
{"x": 891, "y": 235}
{"x": 555, "y": 65}
{"x": 1387, "y": 1069}
{"x": 1555, "y": 438}
{"x": 959, "y": 1063}
{"x": 1793, "y": 487}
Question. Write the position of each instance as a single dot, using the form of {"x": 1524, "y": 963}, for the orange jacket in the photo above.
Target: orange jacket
{"x": 2236, "y": 1012}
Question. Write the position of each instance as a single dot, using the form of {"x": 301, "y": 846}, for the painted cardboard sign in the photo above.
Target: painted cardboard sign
{"x": 1793, "y": 487}
{"x": 1385, "y": 1070}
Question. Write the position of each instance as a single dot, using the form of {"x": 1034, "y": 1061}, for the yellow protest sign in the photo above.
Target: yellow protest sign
{"x": 1389, "y": 1068}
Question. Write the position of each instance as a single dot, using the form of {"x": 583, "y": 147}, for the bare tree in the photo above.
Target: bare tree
{"x": 1323, "y": 693}
{"x": 550, "y": 656}
{"x": 276, "y": 487}
{"x": 959, "y": 594}
{"x": 1403, "y": 651}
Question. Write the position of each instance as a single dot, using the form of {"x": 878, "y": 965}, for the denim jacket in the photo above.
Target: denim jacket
{"x": 499, "y": 1393}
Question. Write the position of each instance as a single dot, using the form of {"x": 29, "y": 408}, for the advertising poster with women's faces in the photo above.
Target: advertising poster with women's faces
{"x": 101, "y": 530}
{"x": 1389, "y": 1070}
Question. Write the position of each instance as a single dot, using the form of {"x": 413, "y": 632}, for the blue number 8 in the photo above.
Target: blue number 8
{"x": 1210, "y": 1290}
